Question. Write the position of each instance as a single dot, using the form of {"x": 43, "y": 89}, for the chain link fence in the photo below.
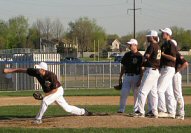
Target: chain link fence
{"x": 71, "y": 75}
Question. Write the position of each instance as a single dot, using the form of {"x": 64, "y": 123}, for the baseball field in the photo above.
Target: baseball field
{"x": 18, "y": 109}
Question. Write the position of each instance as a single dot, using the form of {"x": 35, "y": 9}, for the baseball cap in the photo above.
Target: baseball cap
{"x": 42, "y": 65}
{"x": 152, "y": 33}
{"x": 174, "y": 42}
{"x": 133, "y": 41}
{"x": 167, "y": 30}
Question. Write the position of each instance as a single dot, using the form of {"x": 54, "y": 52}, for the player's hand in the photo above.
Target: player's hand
{"x": 6, "y": 71}
{"x": 120, "y": 81}
{"x": 47, "y": 83}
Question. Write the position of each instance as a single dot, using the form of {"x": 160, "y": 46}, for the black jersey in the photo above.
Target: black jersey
{"x": 155, "y": 55}
{"x": 132, "y": 62}
{"x": 179, "y": 61}
{"x": 48, "y": 81}
{"x": 170, "y": 49}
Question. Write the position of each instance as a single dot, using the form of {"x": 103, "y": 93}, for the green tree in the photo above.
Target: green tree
{"x": 17, "y": 32}
{"x": 183, "y": 37}
{"x": 3, "y": 34}
{"x": 85, "y": 31}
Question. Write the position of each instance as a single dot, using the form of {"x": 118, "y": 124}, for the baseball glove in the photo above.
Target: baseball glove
{"x": 118, "y": 87}
{"x": 37, "y": 96}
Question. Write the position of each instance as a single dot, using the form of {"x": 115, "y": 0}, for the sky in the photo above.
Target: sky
{"x": 112, "y": 15}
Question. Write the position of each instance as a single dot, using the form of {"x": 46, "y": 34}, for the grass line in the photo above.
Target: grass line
{"x": 82, "y": 92}
{"x": 178, "y": 129}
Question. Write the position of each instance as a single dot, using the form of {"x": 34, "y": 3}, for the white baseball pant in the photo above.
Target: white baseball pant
{"x": 59, "y": 99}
{"x": 129, "y": 82}
{"x": 165, "y": 90}
{"x": 177, "y": 88}
{"x": 148, "y": 88}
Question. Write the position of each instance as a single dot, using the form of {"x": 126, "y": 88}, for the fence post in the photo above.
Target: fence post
{"x": 110, "y": 74}
{"x": 65, "y": 75}
{"x": 16, "y": 79}
{"x": 83, "y": 74}
{"x": 103, "y": 75}
{"x": 88, "y": 76}
{"x": 96, "y": 75}
{"x": 187, "y": 74}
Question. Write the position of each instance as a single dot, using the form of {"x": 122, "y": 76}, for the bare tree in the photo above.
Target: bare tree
{"x": 58, "y": 29}
{"x": 45, "y": 28}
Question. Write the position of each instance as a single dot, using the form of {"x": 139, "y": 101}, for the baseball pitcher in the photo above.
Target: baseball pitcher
{"x": 52, "y": 89}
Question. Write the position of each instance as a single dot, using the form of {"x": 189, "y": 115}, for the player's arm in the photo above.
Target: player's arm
{"x": 173, "y": 54}
{"x": 121, "y": 73}
{"x": 14, "y": 70}
{"x": 148, "y": 53}
{"x": 182, "y": 67}
{"x": 169, "y": 57}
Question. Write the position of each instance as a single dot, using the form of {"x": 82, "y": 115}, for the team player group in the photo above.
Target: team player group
{"x": 154, "y": 77}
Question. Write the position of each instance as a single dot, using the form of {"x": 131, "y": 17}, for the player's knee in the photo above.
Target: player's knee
{"x": 45, "y": 101}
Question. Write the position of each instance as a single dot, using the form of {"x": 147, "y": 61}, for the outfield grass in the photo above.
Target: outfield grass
{"x": 182, "y": 129}
{"x": 83, "y": 92}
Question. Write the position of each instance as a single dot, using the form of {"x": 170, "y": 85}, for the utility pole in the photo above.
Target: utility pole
{"x": 134, "y": 9}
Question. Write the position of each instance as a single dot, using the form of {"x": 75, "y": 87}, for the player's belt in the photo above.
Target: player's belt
{"x": 130, "y": 74}
{"x": 151, "y": 68}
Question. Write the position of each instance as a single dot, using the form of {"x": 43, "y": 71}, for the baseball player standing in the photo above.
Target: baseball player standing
{"x": 131, "y": 68}
{"x": 148, "y": 85}
{"x": 167, "y": 71}
{"x": 52, "y": 89}
{"x": 181, "y": 64}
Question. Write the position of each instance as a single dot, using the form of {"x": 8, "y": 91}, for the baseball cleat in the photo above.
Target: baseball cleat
{"x": 120, "y": 112}
{"x": 163, "y": 115}
{"x": 171, "y": 116}
{"x": 151, "y": 115}
{"x": 87, "y": 113}
{"x": 37, "y": 121}
{"x": 180, "y": 117}
{"x": 138, "y": 114}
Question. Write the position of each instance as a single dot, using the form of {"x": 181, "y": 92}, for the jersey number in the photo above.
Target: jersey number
{"x": 159, "y": 55}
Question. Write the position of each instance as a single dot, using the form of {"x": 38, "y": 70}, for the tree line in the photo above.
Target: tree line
{"x": 18, "y": 33}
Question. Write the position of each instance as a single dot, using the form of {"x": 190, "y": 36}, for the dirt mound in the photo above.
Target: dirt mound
{"x": 110, "y": 121}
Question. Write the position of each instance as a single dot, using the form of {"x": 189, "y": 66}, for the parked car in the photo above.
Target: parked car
{"x": 93, "y": 55}
{"x": 114, "y": 54}
{"x": 71, "y": 60}
{"x": 118, "y": 58}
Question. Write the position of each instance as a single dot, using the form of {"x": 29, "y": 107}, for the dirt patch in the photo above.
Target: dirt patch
{"x": 73, "y": 100}
{"x": 112, "y": 121}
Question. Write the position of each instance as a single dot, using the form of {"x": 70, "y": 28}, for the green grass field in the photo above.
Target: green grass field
{"x": 83, "y": 92}
{"x": 182, "y": 129}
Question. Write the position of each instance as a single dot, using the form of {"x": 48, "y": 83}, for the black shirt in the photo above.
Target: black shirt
{"x": 170, "y": 49}
{"x": 132, "y": 62}
{"x": 179, "y": 60}
{"x": 155, "y": 55}
{"x": 48, "y": 81}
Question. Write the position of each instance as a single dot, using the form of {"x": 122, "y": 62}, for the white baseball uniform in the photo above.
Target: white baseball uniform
{"x": 149, "y": 80}
{"x": 59, "y": 99}
{"x": 177, "y": 86}
{"x": 132, "y": 63}
{"x": 164, "y": 86}
{"x": 49, "y": 83}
